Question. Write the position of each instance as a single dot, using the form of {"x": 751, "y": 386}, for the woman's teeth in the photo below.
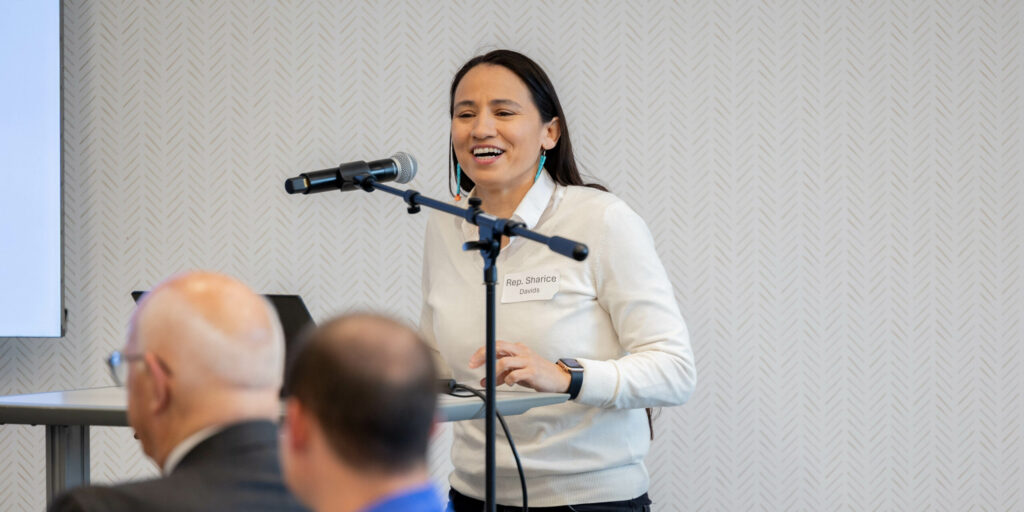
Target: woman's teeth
{"x": 487, "y": 152}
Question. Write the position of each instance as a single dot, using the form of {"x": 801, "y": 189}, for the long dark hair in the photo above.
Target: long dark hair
{"x": 560, "y": 163}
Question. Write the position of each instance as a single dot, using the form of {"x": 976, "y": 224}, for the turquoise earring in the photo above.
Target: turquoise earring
{"x": 543, "y": 157}
{"x": 458, "y": 182}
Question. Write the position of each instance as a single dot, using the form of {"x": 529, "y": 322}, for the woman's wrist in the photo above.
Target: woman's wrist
{"x": 574, "y": 370}
{"x": 565, "y": 379}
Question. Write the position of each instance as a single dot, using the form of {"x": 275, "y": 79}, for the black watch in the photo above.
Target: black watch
{"x": 575, "y": 375}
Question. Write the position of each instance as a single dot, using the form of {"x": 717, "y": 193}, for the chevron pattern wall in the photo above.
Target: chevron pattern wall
{"x": 835, "y": 188}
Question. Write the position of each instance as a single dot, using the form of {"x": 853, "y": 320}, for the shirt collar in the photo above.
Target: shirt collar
{"x": 423, "y": 498}
{"x": 530, "y": 208}
{"x": 186, "y": 445}
{"x": 535, "y": 201}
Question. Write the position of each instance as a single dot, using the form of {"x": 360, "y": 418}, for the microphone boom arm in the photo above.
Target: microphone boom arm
{"x": 474, "y": 215}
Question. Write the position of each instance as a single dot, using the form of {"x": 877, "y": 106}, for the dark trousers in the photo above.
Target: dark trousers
{"x": 462, "y": 503}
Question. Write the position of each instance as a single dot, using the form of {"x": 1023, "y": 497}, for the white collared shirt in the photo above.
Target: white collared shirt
{"x": 615, "y": 313}
{"x": 186, "y": 445}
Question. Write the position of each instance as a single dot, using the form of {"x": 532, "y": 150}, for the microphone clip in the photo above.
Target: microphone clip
{"x": 364, "y": 181}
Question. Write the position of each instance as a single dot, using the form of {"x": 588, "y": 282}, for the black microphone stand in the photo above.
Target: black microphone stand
{"x": 491, "y": 230}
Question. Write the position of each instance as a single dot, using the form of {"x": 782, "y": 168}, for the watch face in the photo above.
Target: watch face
{"x": 571, "y": 363}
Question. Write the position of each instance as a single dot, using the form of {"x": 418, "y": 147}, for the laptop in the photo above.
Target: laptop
{"x": 292, "y": 313}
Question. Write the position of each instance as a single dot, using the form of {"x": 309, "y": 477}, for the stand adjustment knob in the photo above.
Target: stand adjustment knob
{"x": 482, "y": 245}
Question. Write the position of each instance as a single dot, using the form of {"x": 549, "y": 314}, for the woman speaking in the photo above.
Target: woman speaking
{"x": 606, "y": 330}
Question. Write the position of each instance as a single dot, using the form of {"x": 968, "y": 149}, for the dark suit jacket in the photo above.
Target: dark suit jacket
{"x": 236, "y": 469}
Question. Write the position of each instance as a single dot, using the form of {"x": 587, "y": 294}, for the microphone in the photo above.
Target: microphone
{"x": 401, "y": 167}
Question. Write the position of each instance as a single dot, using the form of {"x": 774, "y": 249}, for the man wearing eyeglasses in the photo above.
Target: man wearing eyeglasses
{"x": 202, "y": 367}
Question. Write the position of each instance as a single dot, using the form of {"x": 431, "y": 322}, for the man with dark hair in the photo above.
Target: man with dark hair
{"x": 359, "y": 418}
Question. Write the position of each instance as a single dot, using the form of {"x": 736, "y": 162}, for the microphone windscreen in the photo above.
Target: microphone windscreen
{"x": 406, "y": 166}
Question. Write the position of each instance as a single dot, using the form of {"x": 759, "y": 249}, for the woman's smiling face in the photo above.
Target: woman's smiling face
{"x": 497, "y": 131}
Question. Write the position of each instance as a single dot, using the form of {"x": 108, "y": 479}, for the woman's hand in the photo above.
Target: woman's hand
{"x": 517, "y": 364}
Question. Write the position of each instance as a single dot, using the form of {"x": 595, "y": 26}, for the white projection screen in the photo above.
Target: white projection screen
{"x": 31, "y": 295}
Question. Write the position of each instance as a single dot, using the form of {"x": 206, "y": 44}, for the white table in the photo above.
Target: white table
{"x": 68, "y": 415}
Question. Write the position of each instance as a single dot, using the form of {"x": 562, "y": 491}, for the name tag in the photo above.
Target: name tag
{"x": 524, "y": 286}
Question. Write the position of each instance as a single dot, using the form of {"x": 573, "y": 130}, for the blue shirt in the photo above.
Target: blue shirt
{"x": 417, "y": 499}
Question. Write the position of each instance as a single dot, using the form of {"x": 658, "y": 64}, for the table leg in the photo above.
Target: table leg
{"x": 67, "y": 458}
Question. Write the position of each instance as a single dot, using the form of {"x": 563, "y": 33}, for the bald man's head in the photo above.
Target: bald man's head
{"x": 213, "y": 331}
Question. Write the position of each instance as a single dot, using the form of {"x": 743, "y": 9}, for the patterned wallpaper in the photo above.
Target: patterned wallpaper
{"x": 835, "y": 188}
